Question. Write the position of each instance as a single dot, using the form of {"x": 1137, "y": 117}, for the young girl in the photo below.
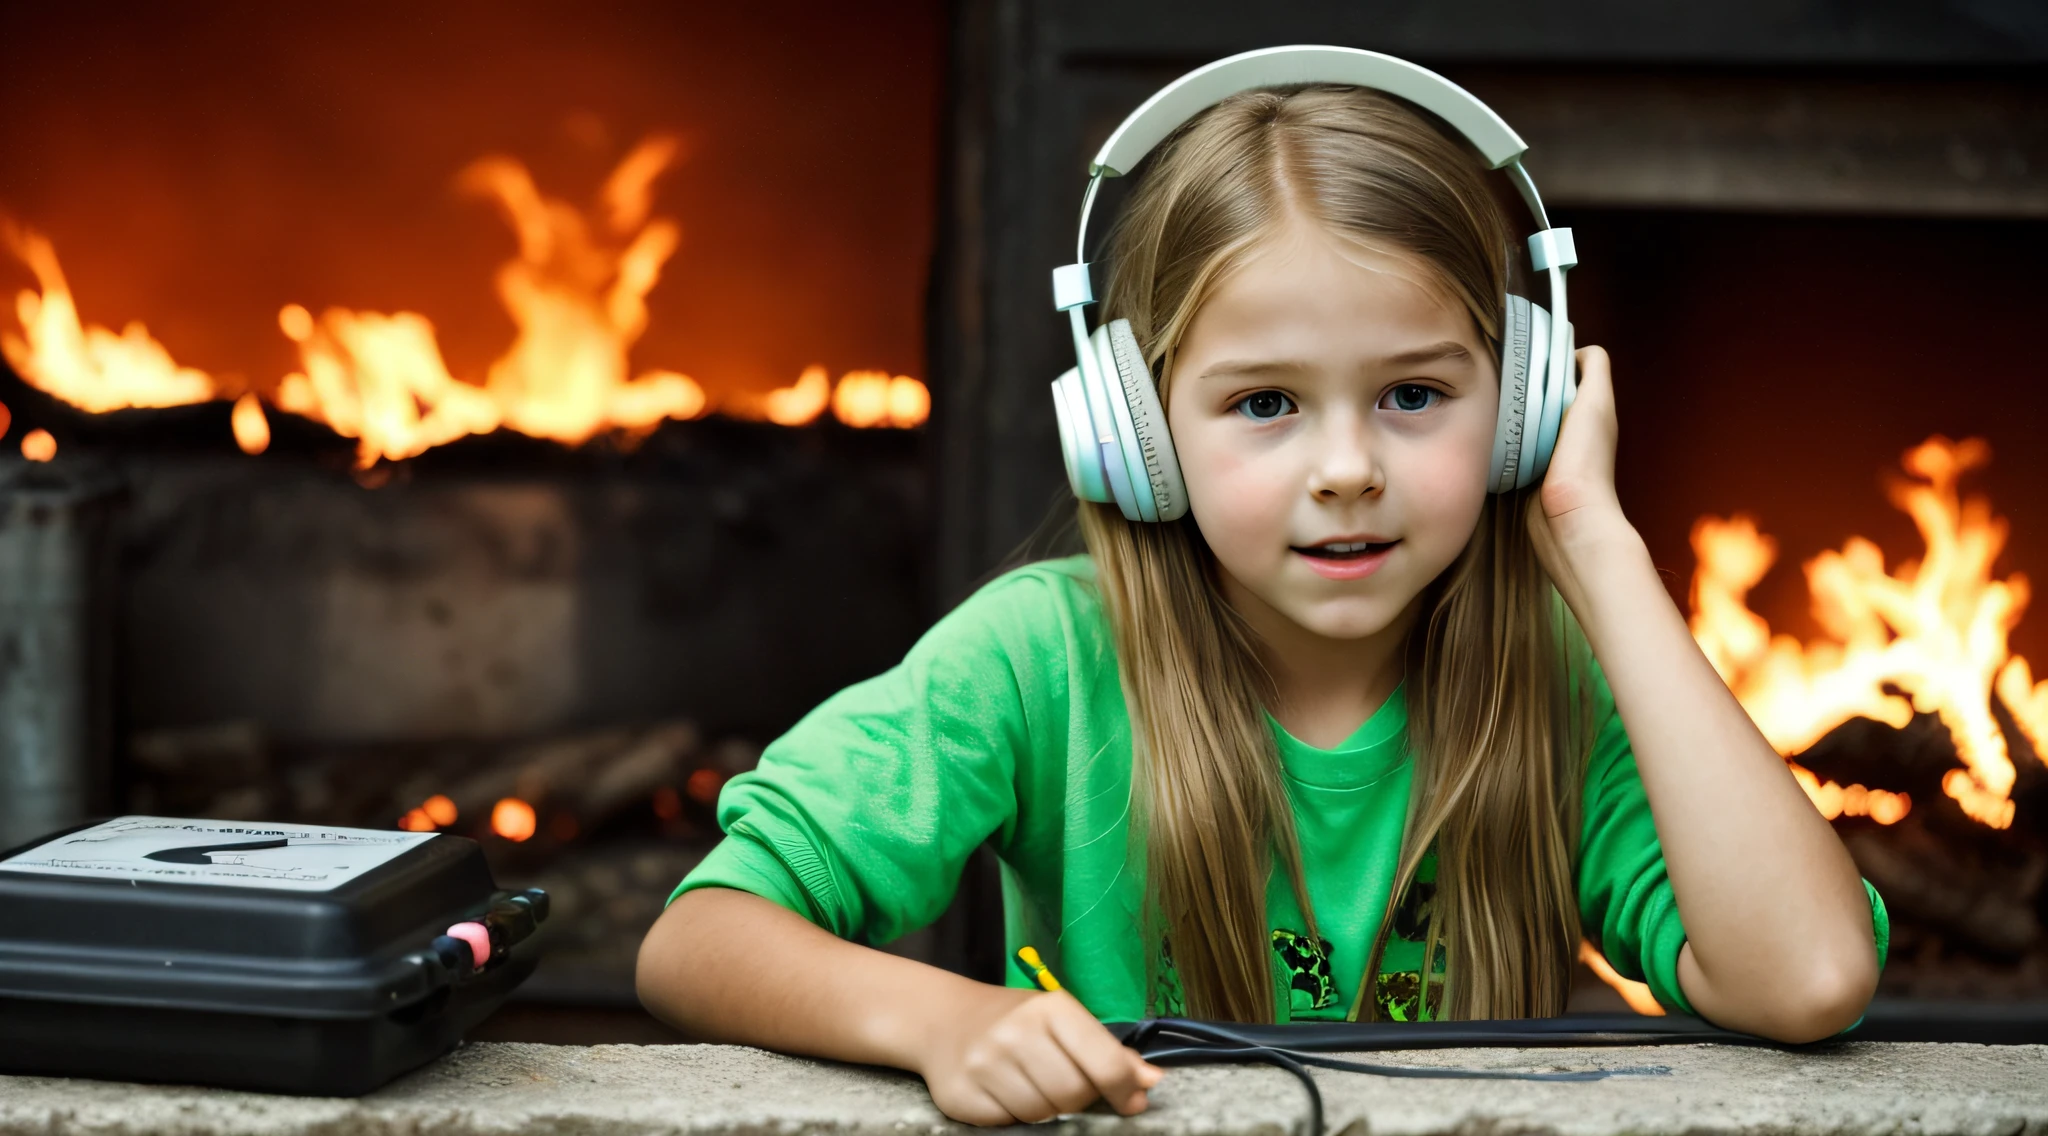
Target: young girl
{"x": 1329, "y": 746}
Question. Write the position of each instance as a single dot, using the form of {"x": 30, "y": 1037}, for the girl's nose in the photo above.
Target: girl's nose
{"x": 1345, "y": 466}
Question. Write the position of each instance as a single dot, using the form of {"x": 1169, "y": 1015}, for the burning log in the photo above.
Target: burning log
{"x": 532, "y": 772}
{"x": 549, "y": 791}
{"x": 631, "y": 776}
{"x": 1924, "y": 879}
{"x": 1927, "y": 636}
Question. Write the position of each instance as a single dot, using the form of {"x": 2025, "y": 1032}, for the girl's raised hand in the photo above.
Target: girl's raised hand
{"x": 1026, "y": 1055}
{"x": 1581, "y": 473}
{"x": 1577, "y": 506}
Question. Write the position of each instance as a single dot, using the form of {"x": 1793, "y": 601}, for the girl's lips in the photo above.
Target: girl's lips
{"x": 1354, "y": 567}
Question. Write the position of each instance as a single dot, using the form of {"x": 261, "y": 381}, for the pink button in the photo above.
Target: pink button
{"x": 479, "y": 941}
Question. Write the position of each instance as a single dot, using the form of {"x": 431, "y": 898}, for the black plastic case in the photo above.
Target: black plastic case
{"x": 327, "y": 980}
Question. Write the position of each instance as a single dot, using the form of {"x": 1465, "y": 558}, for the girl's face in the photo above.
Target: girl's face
{"x": 1333, "y": 410}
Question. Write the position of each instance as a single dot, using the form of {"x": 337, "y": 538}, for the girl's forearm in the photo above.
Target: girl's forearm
{"x": 1778, "y": 928}
{"x": 729, "y": 966}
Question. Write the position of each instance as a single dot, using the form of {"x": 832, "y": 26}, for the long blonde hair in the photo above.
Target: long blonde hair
{"x": 1498, "y": 748}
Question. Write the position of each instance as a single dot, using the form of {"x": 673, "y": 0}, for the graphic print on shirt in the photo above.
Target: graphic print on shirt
{"x": 1310, "y": 984}
{"x": 1167, "y": 1000}
{"x": 1398, "y": 988}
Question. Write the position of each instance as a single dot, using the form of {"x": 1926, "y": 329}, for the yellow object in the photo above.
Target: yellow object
{"x": 1035, "y": 967}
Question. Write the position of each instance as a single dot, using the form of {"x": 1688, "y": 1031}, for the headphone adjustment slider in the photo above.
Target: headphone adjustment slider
{"x": 1552, "y": 248}
{"x": 1071, "y": 287}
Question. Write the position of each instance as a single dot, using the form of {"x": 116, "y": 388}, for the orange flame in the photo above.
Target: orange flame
{"x": 1636, "y": 994}
{"x": 440, "y": 810}
{"x": 435, "y": 812}
{"x": 872, "y": 398}
{"x": 38, "y": 446}
{"x": 576, "y": 291}
{"x": 513, "y": 819}
{"x": 793, "y": 405}
{"x": 1936, "y": 630}
{"x": 252, "y": 429}
{"x": 87, "y": 366}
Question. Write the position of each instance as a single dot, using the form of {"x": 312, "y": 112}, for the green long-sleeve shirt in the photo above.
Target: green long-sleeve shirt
{"x": 1007, "y": 723}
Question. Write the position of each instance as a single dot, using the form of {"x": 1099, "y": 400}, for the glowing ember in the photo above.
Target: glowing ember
{"x": 668, "y": 804}
{"x": 440, "y": 809}
{"x": 793, "y": 405}
{"x": 6, "y": 419}
{"x": 38, "y": 446}
{"x": 703, "y": 786}
{"x": 513, "y": 819}
{"x": 416, "y": 820}
{"x": 1636, "y": 994}
{"x": 252, "y": 429}
{"x": 1935, "y": 630}
{"x": 872, "y": 398}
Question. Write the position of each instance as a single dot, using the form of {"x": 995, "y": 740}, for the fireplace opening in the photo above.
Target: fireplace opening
{"x": 1828, "y": 430}
{"x": 491, "y": 420}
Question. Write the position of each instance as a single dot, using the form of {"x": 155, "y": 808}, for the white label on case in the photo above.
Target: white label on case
{"x": 222, "y": 853}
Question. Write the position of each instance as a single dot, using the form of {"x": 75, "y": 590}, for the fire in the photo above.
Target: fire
{"x": 252, "y": 429}
{"x": 793, "y": 405}
{"x": 38, "y": 446}
{"x": 89, "y": 367}
{"x": 1636, "y": 994}
{"x": 440, "y": 810}
{"x": 435, "y": 812}
{"x": 703, "y": 785}
{"x": 872, "y": 398}
{"x": 513, "y": 819}
{"x": 576, "y": 290}
{"x": 1934, "y": 630}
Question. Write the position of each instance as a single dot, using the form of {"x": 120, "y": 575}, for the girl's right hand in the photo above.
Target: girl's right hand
{"x": 1026, "y": 1055}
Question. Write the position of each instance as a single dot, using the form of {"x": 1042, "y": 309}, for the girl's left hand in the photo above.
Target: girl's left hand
{"x": 1577, "y": 507}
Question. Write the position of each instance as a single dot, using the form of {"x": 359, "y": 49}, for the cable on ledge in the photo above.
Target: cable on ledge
{"x": 1180, "y": 1041}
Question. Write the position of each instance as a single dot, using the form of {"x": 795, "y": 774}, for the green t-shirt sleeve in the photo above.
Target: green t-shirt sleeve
{"x": 862, "y": 816}
{"x": 1625, "y": 900}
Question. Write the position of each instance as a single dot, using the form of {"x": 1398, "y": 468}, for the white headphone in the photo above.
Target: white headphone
{"x": 1114, "y": 434}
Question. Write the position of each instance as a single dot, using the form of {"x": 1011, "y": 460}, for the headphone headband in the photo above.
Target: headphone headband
{"x": 1204, "y": 87}
{"x": 1173, "y": 105}
{"x": 1113, "y": 432}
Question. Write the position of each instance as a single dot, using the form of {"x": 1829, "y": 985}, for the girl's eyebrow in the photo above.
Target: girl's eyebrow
{"x": 1448, "y": 349}
{"x": 1255, "y": 367}
{"x": 1435, "y": 351}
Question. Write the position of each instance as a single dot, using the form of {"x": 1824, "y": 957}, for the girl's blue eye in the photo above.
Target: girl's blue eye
{"x": 1413, "y": 397}
{"x": 1264, "y": 406}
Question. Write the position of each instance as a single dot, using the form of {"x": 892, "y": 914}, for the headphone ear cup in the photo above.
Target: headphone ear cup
{"x": 1152, "y": 441}
{"x": 1508, "y": 439}
{"x": 1081, "y": 456}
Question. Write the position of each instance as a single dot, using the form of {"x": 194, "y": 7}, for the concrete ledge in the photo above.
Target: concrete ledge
{"x": 1873, "y": 1088}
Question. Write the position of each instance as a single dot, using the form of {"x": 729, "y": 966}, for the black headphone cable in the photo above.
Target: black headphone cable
{"x": 1180, "y": 1041}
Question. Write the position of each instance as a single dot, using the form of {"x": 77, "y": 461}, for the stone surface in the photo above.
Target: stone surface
{"x": 1890, "y": 1089}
